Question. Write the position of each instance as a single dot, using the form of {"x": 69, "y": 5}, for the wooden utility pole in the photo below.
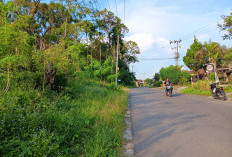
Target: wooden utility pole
{"x": 177, "y": 49}
{"x": 116, "y": 80}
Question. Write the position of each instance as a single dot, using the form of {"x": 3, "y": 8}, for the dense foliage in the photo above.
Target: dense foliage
{"x": 62, "y": 39}
{"x": 175, "y": 74}
{"x": 48, "y": 54}
{"x": 156, "y": 77}
{"x": 87, "y": 119}
{"x": 149, "y": 81}
{"x": 192, "y": 60}
{"x": 227, "y": 26}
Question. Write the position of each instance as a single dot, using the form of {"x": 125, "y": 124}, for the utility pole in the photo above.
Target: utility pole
{"x": 116, "y": 80}
{"x": 177, "y": 49}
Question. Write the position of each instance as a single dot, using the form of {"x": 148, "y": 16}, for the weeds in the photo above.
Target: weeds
{"x": 86, "y": 119}
{"x": 199, "y": 88}
{"x": 202, "y": 88}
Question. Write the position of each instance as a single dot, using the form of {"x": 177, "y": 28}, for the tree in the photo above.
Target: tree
{"x": 227, "y": 58}
{"x": 214, "y": 52}
{"x": 227, "y": 26}
{"x": 149, "y": 81}
{"x": 173, "y": 72}
{"x": 156, "y": 77}
{"x": 48, "y": 41}
{"x": 129, "y": 51}
{"x": 191, "y": 60}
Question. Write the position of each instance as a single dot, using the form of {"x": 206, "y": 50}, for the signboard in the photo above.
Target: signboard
{"x": 210, "y": 68}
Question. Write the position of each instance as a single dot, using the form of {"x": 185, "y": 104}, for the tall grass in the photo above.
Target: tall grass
{"x": 86, "y": 119}
{"x": 228, "y": 89}
{"x": 199, "y": 88}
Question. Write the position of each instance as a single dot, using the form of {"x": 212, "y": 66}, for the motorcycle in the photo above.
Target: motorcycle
{"x": 169, "y": 91}
{"x": 217, "y": 93}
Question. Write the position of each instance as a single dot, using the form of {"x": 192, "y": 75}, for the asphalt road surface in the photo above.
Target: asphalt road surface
{"x": 180, "y": 126}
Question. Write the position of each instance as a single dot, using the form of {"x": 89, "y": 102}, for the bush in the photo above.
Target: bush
{"x": 185, "y": 78}
{"x": 86, "y": 119}
{"x": 199, "y": 88}
{"x": 228, "y": 89}
{"x": 157, "y": 84}
{"x": 212, "y": 76}
{"x": 175, "y": 74}
{"x": 195, "y": 92}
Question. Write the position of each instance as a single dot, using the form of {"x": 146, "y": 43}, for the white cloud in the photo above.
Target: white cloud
{"x": 153, "y": 23}
{"x": 203, "y": 37}
{"x": 145, "y": 41}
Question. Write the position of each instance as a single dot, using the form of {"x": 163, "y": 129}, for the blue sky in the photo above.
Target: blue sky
{"x": 152, "y": 23}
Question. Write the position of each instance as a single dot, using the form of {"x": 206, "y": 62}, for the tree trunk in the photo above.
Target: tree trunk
{"x": 44, "y": 80}
{"x": 8, "y": 78}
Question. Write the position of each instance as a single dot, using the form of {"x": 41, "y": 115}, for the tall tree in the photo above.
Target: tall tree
{"x": 191, "y": 59}
{"x": 214, "y": 52}
{"x": 227, "y": 26}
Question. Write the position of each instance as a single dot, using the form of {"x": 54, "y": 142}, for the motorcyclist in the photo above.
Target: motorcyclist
{"x": 166, "y": 83}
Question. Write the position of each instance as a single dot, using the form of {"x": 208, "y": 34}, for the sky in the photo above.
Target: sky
{"x": 153, "y": 23}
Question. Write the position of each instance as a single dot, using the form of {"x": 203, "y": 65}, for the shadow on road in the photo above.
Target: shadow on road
{"x": 176, "y": 94}
{"x": 156, "y": 119}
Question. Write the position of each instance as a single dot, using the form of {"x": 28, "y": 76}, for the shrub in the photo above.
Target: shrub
{"x": 157, "y": 84}
{"x": 86, "y": 119}
{"x": 175, "y": 74}
{"x": 195, "y": 92}
{"x": 185, "y": 78}
{"x": 199, "y": 88}
{"x": 212, "y": 76}
{"x": 228, "y": 88}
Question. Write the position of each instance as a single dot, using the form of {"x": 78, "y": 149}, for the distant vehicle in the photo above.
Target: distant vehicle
{"x": 217, "y": 93}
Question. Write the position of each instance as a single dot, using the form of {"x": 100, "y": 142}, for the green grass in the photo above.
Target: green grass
{"x": 228, "y": 89}
{"x": 86, "y": 119}
{"x": 199, "y": 88}
{"x": 189, "y": 90}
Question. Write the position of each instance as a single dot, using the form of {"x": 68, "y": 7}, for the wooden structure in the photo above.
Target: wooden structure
{"x": 224, "y": 72}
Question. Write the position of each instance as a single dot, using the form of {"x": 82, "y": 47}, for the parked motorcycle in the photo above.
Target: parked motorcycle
{"x": 217, "y": 93}
{"x": 169, "y": 91}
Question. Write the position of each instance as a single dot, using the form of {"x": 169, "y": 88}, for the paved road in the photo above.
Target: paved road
{"x": 180, "y": 126}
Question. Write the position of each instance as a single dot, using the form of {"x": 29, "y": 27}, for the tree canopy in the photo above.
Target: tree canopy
{"x": 192, "y": 59}
{"x": 69, "y": 38}
{"x": 227, "y": 26}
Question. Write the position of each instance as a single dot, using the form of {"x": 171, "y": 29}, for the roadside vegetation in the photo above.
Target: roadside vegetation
{"x": 202, "y": 88}
{"x": 57, "y": 79}
{"x": 199, "y": 88}
{"x": 86, "y": 119}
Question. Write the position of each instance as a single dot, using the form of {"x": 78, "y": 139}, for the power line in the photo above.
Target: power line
{"x": 155, "y": 58}
{"x": 197, "y": 30}
{"x": 116, "y": 7}
{"x": 205, "y": 31}
{"x": 203, "y": 28}
{"x": 108, "y": 4}
{"x": 124, "y": 11}
{"x": 97, "y": 4}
